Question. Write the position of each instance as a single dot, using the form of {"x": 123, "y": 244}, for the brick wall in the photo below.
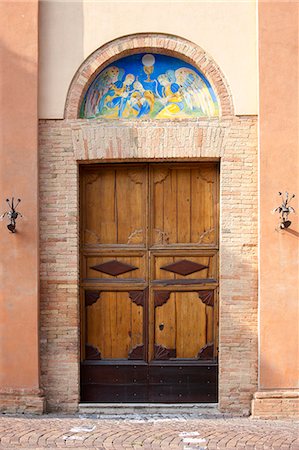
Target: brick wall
{"x": 22, "y": 400}
{"x": 276, "y": 404}
{"x": 62, "y": 144}
{"x": 59, "y": 320}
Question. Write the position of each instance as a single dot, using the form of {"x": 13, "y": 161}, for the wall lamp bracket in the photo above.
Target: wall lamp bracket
{"x": 284, "y": 210}
{"x": 12, "y": 214}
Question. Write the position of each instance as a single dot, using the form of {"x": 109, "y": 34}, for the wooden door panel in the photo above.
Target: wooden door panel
{"x": 103, "y": 382}
{"x": 183, "y": 324}
{"x": 114, "y": 324}
{"x": 167, "y": 383}
{"x": 130, "y": 188}
{"x": 165, "y": 326}
{"x": 114, "y": 212}
{"x": 204, "y": 213}
{"x": 184, "y": 268}
{"x": 116, "y": 266}
{"x": 179, "y": 383}
{"x": 185, "y": 205}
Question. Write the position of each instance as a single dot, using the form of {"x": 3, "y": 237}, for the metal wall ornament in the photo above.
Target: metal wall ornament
{"x": 284, "y": 210}
{"x": 12, "y": 214}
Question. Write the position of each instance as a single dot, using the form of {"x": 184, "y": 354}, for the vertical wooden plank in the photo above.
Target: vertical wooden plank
{"x": 183, "y": 205}
{"x": 137, "y": 188}
{"x": 106, "y": 210}
{"x": 210, "y": 270}
{"x": 157, "y": 176}
{"x": 99, "y": 207}
{"x": 109, "y": 322}
{"x": 204, "y": 204}
{"x": 130, "y": 200}
{"x": 122, "y": 330}
{"x": 123, "y": 206}
{"x": 98, "y": 325}
{"x": 201, "y": 324}
{"x": 209, "y": 202}
{"x": 210, "y": 324}
{"x": 191, "y": 324}
{"x": 82, "y": 207}
{"x": 165, "y": 317}
{"x": 151, "y": 324}
{"x": 90, "y": 208}
{"x": 196, "y": 208}
{"x": 136, "y": 325}
{"x": 217, "y": 204}
{"x": 216, "y": 322}
{"x": 170, "y": 207}
{"x": 105, "y": 323}
{"x": 83, "y": 320}
{"x": 180, "y": 325}
{"x": 101, "y": 314}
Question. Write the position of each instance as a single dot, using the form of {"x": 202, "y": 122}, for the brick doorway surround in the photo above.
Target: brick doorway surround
{"x": 66, "y": 143}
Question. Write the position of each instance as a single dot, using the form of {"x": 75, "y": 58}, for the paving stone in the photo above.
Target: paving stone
{"x": 146, "y": 432}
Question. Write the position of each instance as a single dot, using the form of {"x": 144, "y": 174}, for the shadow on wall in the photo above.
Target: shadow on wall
{"x": 61, "y": 38}
{"x": 292, "y": 232}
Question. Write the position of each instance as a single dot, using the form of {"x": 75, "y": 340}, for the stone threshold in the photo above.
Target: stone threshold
{"x": 149, "y": 408}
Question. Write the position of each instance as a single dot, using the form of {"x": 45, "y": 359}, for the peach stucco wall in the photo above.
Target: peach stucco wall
{"x": 71, "y": 30}
{"x": 18, "y": 177}
{"x": 279, "y": 154}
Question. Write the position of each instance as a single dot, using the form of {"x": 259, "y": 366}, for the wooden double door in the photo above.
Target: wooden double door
{"x": 149, "y": 282}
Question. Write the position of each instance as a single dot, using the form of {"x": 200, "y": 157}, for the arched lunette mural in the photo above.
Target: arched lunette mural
{"x": 149, "y": 86}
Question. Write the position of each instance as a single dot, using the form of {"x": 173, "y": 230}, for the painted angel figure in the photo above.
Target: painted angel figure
{"x": 195, "y": 91}
{"x": 171, "y": 97}
{"x": 104, "y": 85}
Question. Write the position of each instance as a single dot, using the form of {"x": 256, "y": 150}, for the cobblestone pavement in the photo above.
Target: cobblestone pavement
{"x": 157, "y": 431}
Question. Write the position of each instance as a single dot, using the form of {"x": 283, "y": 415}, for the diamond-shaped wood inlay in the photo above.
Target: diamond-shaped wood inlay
{"x": 114, "y": 267}
{"x": 184, "y": 267}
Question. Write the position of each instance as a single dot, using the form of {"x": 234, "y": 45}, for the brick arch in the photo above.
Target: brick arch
{"x": 147, "y": 42}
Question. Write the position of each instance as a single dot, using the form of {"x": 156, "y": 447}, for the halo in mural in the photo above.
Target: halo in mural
{"x": 149, "y": 86}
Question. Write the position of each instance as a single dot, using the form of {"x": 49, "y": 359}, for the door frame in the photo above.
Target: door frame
{"x": 211, "y": 365}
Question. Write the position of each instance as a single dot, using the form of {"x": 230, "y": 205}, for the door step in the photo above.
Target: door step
{"x": 172, "y": 409}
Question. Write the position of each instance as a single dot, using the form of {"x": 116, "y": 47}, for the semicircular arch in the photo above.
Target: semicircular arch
{"x": 150, "y": 42}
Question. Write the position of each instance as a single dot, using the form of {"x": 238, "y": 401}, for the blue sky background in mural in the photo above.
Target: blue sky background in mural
{"x": 149, "y": 86}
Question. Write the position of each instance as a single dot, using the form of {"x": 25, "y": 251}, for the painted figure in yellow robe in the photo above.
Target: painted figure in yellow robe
{"x": 171, "y": 97}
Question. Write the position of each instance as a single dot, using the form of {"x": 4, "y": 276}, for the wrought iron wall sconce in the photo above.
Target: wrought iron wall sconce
{"x": 284, "y": 210}
{"x": 12, "y": 215}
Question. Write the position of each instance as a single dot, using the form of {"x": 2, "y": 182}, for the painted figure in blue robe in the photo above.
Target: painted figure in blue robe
{"x": 120, "y": 94}
{"x": 142, "y": 102}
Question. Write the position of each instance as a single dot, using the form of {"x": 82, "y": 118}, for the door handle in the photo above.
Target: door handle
{"x": 161, "y": 326}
